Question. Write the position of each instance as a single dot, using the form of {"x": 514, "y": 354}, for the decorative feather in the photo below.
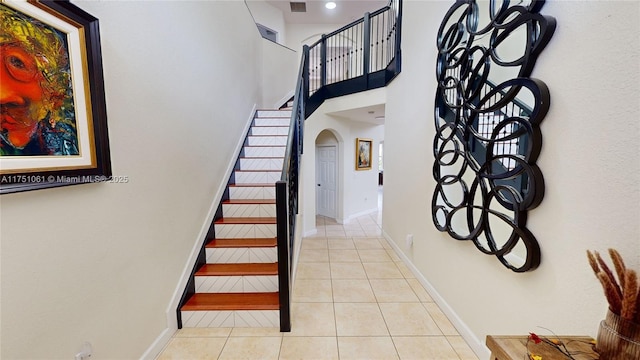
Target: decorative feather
{"x": 610, "y": 292}
{"x": 618, "y": 263}
{"x": 629, "y": 295}
{"x": 609, "y": 273}
{"x": 593, "y": 262}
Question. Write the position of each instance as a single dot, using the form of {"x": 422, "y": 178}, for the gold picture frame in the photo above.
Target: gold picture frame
{"x": 364, "y": 153}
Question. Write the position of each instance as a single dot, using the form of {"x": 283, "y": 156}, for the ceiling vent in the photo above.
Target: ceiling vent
{"x": 298, "y": 6}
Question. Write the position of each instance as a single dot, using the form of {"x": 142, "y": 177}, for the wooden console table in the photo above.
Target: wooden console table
{"x": 515, "y": 348}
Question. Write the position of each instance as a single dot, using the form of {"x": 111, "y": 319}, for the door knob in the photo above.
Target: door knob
{"x": 318, "y": 184}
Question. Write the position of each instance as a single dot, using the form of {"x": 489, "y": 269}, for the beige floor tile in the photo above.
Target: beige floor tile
{"x": 408, "y": 319}
{"x": 334, "y": 227}
{"x": 336, "y": 233}
{"x": 316, "y": 348}
{"x": 355, "y": 233}
{"x": 203, "y": 332}
{"x": 310, "y": 270}
{"x": 352, "y": 291}
{"x": 374, "y": 255}
{"x": 352, "y": 226}
{"x": 366, "y": 348}
{"x": 359, "y": 319}
{"x": 373, "y": 232}
{"x": 382, "y": 270}
{"x": 393, "y": 290}
{"x": 394, "y": 256}
{"x": 462, "y": 348}
{"x": 420, "y": 291}
{"x": 343, "y": 256}
{"x": 314, "y": 244}
{"x": 404, "y": 269}
{"x": 385, "y": 244}
{"x": 312, "y": 319}
{"x": 320, "y": 233}
{"x": 341, "y": 243}
{"x": 441, "y": 319}
{"x": 245, "y": 332}
{"x": 422, "y": 348}
{"x": 314, "y": 256}
{"x": 346, "y": 270}
{"x": 305, "y": 290}
{"x": 193, "y": 348}
{"x": 367, "y": 243}
{"x": 251, "y": 348}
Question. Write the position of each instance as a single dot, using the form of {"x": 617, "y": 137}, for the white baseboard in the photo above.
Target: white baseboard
{"x": 477, "y": 345}
{"x": 159, "y": 344}
{"x": 172, "y": 322}
{"x": 284, "y": 99}
{"x": 361, "y": 213}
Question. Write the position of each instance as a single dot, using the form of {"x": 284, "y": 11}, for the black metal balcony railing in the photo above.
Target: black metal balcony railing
{"x": 361, "y": 56}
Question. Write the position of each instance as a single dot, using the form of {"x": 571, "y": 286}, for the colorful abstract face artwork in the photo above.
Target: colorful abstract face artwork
{"x": 37, "y": 114}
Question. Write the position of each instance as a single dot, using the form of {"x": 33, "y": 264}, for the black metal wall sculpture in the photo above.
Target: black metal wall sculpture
{"x": 487, "y": 112}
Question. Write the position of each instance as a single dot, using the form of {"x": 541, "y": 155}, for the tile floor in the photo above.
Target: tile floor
{"x": 353, "y": 298}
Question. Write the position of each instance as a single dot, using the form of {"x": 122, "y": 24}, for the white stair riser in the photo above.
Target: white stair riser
{"x": 273, "y": 113}
{"x": 252, "y": 192}
{"x": 261, "y": 164}
{"x": 236, "y": 284}
{"x": 239, "y": 231}
{"x": 243, "y": 318}
{"x": 249, "y": 210}
{"x": 264, "y": 151}
{"x": 270, "y": 130}
{"x": 257, "y": 177}
{"x": 284, "y": 121}
{"x": 267, "y": 140}
{"x": 263, "y": 255}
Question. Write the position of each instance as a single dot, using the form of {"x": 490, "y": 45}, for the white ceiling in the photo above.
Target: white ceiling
{"x": 345, "y": 12}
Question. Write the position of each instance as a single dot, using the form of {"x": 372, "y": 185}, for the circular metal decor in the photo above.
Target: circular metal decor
{"x": 487, "y": 116}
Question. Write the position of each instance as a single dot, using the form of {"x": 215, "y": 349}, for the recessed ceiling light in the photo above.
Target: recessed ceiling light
{"x": 330, "y": 5}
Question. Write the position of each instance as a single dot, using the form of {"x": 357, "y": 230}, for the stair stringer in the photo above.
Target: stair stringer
{"x": 191, "y": 305}
{"x": 203, "y": 235}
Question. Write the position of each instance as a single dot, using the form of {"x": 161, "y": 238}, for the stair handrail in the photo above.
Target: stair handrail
{"x": 287, "y": 199}
{"x": 287, "y": 188}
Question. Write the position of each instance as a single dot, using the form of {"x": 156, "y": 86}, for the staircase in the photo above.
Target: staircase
{"x": 237, "y": 285}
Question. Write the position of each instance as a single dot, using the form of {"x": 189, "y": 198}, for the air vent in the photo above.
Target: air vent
{"x": 298, "y": 6}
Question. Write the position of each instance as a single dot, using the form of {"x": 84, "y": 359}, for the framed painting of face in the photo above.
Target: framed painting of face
{"x": 363, "y": 154}
{"x": 53, "y": 127}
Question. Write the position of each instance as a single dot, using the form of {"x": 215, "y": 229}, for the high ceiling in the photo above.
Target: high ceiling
{"x": 345, "y": 12}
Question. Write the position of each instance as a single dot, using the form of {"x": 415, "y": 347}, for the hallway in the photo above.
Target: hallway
{"x": 353, "y": 298}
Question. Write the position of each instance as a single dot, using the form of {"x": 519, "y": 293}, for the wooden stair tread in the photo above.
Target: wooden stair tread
{"x": 232, "y": 301}
{"x": 238, "y": 269}
{"x": 266, "y": 170}
{"x": 241, "y": 243}
{"x": 245, "y": 220}
{"x": 262, "y": 157}
{"x": 258, "y": 146}
{"x": 253, "y": 185}
{"x": 249, "y": 201}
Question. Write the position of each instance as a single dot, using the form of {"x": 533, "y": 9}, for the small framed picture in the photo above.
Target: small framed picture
{"x": 363, "y": 154}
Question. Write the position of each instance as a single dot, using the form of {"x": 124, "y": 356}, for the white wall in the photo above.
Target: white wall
{"x": 269, "y": 16}
{"x": 589, "y": 160}
{"x": 101, "y": 262}
{"x": 280, "y": 67}
{"x": 358, "y": 190}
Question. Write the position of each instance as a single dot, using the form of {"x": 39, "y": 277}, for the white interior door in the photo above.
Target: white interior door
{"x": 326, "y": 180}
